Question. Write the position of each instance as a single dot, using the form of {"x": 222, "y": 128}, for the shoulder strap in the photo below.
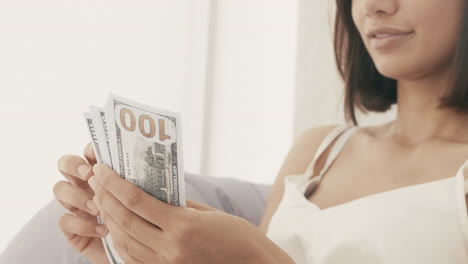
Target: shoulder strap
{"x": 323, "y": 146}
{"x": 466, "y": 187}
{"x": 465, "y": 178}
{"x": 310, "y": 184}
{"x": 336, "y": 149}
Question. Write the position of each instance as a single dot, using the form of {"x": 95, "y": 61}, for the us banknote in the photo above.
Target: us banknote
{"x": 143, "y": 145}
{"x": 99, "y": 148}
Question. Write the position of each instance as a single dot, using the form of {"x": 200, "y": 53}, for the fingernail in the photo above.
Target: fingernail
{"x": 101, "y": 229}
{"x": 92, "y": 207}
{"x": 92, "y": 183}
{"x": 84, "y": 170}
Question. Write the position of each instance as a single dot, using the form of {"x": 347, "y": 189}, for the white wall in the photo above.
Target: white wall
{"x": 253, "y": 88}
{"x": 57, "y": 57}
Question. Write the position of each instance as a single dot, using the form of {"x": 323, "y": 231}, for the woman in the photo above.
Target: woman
{"x": 395, "y": 192}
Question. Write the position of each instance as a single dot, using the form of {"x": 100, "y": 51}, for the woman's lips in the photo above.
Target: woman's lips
{"x": 387, "y": 41}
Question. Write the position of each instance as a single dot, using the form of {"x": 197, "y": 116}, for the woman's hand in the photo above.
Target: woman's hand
{"x": 146, "y": 230}
{"x": 80, "y": 226}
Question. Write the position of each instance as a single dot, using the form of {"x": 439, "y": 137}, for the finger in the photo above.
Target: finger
{"x": 75, "y": 197}
{"x": 89, "y": 154}
{"x": 78, "y": 212}
{"x": 127, "y": 221}
{"x": 134, "y": 198}
{"x": 72, "y": 225}
{"x": 199, "y": 206}
{"x": 127, "y": 246}
{"x": 76, "y": 169}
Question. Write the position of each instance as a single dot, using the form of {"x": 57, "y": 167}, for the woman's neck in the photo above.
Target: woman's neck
{"x": 418, "y": 118}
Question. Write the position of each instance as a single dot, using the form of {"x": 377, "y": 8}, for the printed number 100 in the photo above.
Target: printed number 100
{"x": 124, "y": 112}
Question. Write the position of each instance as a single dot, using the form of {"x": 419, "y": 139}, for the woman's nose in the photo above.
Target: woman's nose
{"x": 378, "y": 7}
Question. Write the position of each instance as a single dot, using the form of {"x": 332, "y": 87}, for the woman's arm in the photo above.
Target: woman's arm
{"x": 146, "y": 230}
{"x": 296, "y": 162}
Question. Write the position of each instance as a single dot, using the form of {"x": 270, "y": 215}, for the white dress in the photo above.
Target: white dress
{"x": 419, "y": 224}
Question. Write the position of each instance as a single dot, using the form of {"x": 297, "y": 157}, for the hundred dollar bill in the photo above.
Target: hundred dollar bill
{"x": 90, "y": 125}
{"x": 141, "y": 144}
{"x": 98, "y": 115}
{"x": 145, "y": 143}
{"x": 95, "y": 132}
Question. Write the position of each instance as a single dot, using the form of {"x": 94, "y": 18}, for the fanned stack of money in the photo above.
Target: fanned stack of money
{"x": 140, "y": 143}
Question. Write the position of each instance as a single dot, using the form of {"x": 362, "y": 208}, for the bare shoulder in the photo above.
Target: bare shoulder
{"x": 303, "y": 150}
{"x": 297, "y": 160}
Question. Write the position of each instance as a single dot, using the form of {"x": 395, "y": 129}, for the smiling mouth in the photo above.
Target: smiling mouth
{"x": 386, "y": 35}
{"x": 386, "y": 41}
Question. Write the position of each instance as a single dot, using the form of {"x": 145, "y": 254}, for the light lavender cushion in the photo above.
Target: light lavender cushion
{"x": 41, "y": 241}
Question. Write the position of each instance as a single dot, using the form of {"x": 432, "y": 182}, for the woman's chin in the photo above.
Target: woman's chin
{"x": 397, "y": 72}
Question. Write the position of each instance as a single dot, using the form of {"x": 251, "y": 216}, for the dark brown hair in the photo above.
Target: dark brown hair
{"x": 367, "y": 89}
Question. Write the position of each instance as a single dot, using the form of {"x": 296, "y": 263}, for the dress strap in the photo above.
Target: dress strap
{"x": 323, "y": 146}
{"x": 343, "y": 133}
{"x": 466, "y": 186}
{"x": 465, "y": 177}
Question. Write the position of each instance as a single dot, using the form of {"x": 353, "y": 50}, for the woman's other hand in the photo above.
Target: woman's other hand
{"x": 80, "y": 226}
{"x": 146, "y": 230}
